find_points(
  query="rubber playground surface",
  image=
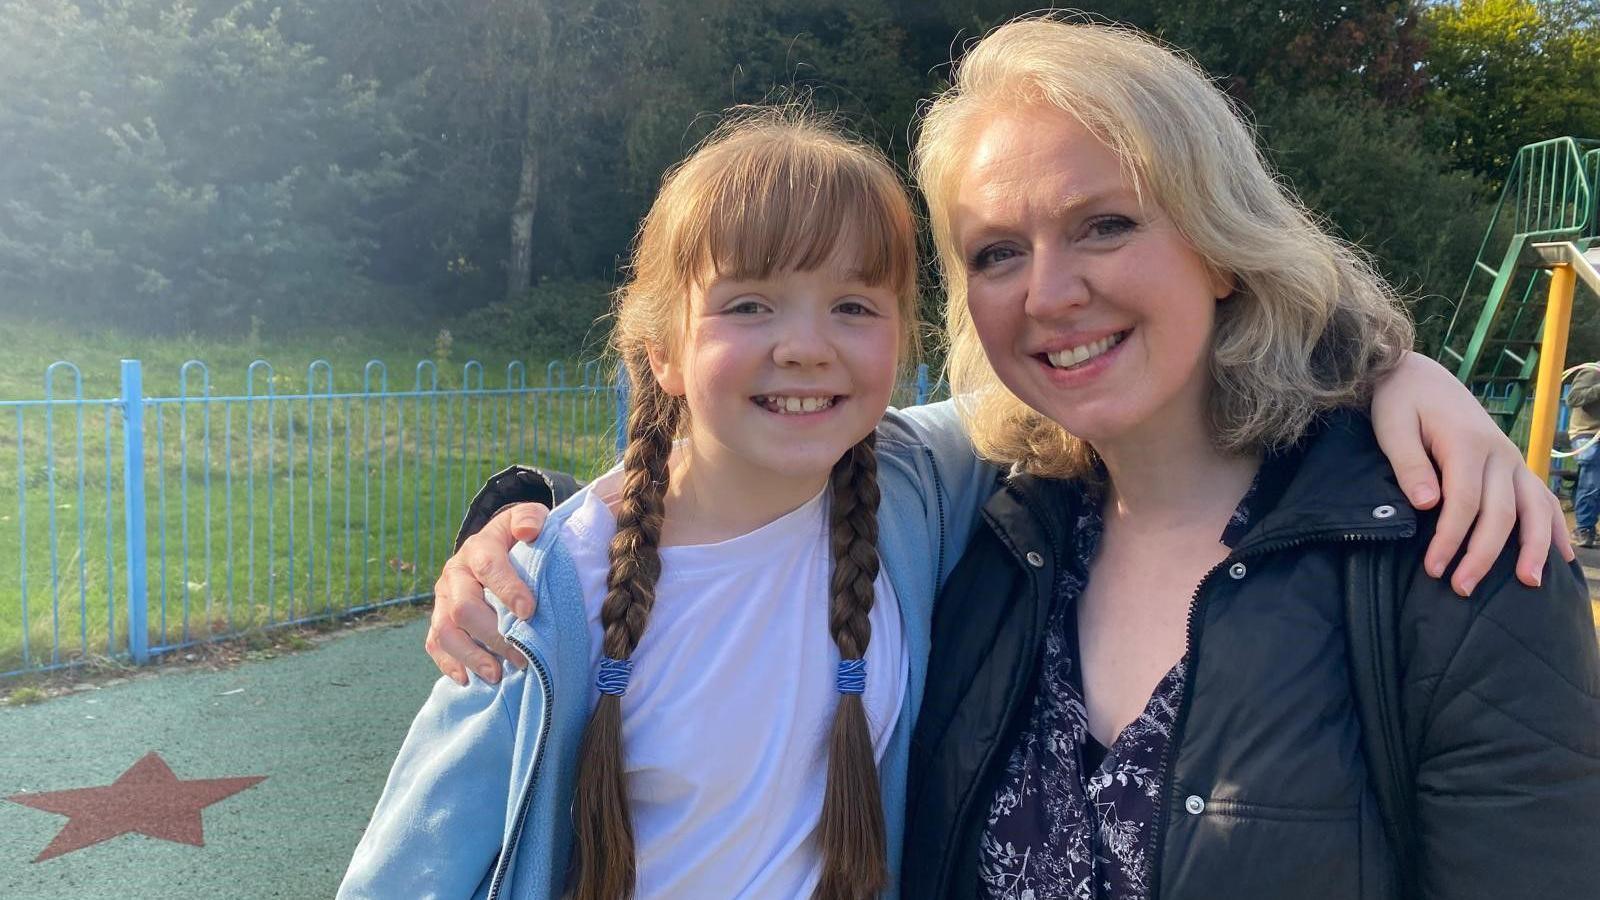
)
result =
(254, 781)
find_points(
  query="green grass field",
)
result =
(258, 511)
(323, 498)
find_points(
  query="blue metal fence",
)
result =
(235, 512)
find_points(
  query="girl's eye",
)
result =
(1110, 226)
(744, 308)
(855, 308)
(991, 255)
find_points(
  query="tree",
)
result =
(1365, 47)
(1367, 170)
(518, 112)
(1511, 72)
(167, 170)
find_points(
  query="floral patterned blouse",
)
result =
(1071, 818)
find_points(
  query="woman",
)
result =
(1123, 269)
(1155, 332)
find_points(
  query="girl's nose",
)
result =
(803, 342)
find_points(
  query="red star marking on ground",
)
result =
(147, 799)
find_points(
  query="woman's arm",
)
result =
(467, 633)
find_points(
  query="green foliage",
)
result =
(1511, 72)
(247, 168)
(169, 170)
(559, 318)
(27, 695)
(1368, 47)
(1367, 170)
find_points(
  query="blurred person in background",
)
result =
(1584, 402)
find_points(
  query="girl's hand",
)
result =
(465, 631)
(1424, 418)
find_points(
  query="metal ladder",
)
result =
(1546, 217)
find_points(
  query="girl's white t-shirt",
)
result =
(728, 711)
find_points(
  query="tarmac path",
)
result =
(274, 764)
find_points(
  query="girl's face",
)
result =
(783, 375)
(1091, 307)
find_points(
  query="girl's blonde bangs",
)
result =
(771, 205)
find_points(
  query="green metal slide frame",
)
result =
(1550, 195)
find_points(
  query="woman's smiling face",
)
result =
(1092, 307)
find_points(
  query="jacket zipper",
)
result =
(1191, 642)
(508, 849)
(938, 499)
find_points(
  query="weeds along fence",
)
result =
(142, 524)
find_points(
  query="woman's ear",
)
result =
(1223, 284)
(668, 373)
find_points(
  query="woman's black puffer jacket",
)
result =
(1267, 787)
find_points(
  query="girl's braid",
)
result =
(854, 844)
(635, 556)
(601, 821)
(854, 536)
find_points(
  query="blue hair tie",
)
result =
(613, 676)
(852, 676)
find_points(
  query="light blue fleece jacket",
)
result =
(478, 801)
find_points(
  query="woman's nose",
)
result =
(1056, 285)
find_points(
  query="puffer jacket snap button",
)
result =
(1237, 571)
(1383, 512)
(1194, 805)
(1035, 560)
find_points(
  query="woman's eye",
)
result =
(1110, 226)
(990, 256)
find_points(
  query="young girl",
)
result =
(721, 592)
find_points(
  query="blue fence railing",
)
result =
(143, 524)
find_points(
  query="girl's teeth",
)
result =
(796, 405)
(1066, 359)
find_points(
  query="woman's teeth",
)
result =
(1075, 356)
(795, 405)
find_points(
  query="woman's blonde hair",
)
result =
(772, 190)
(1310, 325)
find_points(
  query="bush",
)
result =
(1369, 172)
(168, 171)
(559, 319)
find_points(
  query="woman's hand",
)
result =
(1424, 418)
(465, 630)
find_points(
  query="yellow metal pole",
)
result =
(1552, 362)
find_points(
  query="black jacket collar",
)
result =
(1343, 487)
